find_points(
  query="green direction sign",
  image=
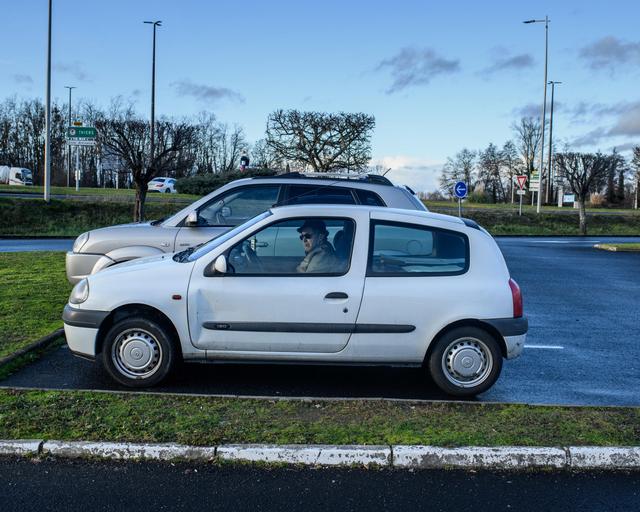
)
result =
(81, 132)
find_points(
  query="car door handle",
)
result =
(336, 295)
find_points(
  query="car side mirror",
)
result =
(219, 266)
(192, 220)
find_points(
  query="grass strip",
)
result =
(33, 292)
(85, 415)
(629, 247)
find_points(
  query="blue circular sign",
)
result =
(460, 189)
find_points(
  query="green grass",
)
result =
(112, 193)
(82, 415)
(439, 205)
(33, 292)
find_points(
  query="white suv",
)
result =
(339, 284)
(223, 209)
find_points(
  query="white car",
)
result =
(167, 185)
(322, 284)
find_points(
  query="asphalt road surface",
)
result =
(58, 484)
(583, 346)
(40, 244)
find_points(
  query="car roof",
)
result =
(333, 210)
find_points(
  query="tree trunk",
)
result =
(583, 215)
(141, 195)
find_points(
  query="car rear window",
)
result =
(397, 249)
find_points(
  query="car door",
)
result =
(415, 283)
(227, 210)
(265, 305)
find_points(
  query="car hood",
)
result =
(105, 240)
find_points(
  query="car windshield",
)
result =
(157, 180)
(212, 244)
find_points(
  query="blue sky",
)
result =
(438, 76)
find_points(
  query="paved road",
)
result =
(41, 244)
(583, 347)
(50, 484)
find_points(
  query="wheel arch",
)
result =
(143, 310)
(468, 322)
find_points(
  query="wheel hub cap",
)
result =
(136, 353)
(467, 362)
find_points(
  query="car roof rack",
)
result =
(367, 178)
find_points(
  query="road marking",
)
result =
(547, 347)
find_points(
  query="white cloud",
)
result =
(420, 174)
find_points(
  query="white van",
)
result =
(15, 176)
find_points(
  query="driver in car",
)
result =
(319, 254)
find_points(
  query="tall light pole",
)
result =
(47, 139)
(546, 21)
(153, 90)
(69, 125)
(553, 88)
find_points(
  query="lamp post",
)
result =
(553, 88)
(69, 125)
(544, 101)
(153, 89)
(47, 141)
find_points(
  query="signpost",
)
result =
(521, 180)
(460, 190)
(80, 136)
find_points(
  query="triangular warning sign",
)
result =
(522, 179)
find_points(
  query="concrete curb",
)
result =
(36, 345)
(512, 458)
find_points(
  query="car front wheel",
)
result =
(138, 352)
(465, 361)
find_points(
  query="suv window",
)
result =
(314, 245)
(369, 198)
(310, 194)
(406, 249)
(238, 205)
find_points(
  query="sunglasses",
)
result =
(306, 236)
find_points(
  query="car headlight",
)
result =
(80, 292)
(80, 241)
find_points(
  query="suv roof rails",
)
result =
(367, 178)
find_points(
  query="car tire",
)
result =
(465, 361)
(138, 352)
(167, 191)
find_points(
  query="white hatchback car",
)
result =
(319, 284)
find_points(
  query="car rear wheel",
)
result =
(465, 361)
(138, 352)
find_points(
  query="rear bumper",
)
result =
(514, 333)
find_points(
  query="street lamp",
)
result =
(69, 147)
(153, 89)
(560, 191)
(47, 138)
(546, 21)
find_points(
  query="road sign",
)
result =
(534, 183)
(521, 180)
(460, 189)
(81, 132)
(81, 142)
(520, 192)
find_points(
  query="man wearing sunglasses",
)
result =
(319, 257)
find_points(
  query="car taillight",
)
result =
(517, 298)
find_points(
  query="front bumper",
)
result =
(81, 330)
(80, 265)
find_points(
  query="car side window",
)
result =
(300, 247)
(323, 194)
(238, 205)
(369, 198)
(397, 249)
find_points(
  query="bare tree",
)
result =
(263, 156)
(459, 168)
(528, 135)
(127, 136)
(582, 171)
(489, 166)
(322, 141)
(511, 164)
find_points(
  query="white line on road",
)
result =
(548, 347)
